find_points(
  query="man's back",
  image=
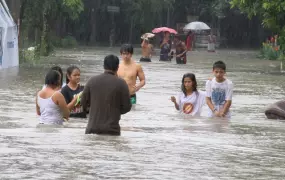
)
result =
(108, 97)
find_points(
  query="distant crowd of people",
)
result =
(181, 47)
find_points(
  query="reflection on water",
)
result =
(156, 141)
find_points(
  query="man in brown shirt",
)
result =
(107, 96)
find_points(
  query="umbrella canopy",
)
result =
(147, 35)
(164, 29)
(196, 25)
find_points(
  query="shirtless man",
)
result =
(146, 51)
(129, 70)
(181, 51)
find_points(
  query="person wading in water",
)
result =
(146, 51)
(165, 47)
(181, 51)
(107, 97)
(129, 70)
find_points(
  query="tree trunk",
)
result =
(15, 7)
(94, 6)
(44, 45)
(131, 32)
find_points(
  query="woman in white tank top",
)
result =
(50, 103)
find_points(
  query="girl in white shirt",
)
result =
(190, 100)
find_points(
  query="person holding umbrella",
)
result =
(165, 44)
(165, 47)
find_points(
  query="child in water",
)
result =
(190, 100)
(219, 92)
(57, 68)
(73, 89)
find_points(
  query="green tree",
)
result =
(144, 14)
(271, 12)
(39, 17)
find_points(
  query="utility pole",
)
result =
(168, 17)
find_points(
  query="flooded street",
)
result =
(157, 142)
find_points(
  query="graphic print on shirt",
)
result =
(77, 108)
(188, 108)
(218, 96)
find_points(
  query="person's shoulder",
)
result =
(229, 82)
(65, 88)
(209, 81)
(57, 94)
(120, 82)
(94, 79)
(203, 93)
(180, 94)
(38, 92)
(138, 65)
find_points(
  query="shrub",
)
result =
(68, 42)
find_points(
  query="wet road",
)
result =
(157, 142)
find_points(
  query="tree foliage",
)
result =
(271, 12)
(39, 16)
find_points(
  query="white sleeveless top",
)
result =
(50, 112)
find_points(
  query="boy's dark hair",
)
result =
(128, 48)
(219, 64)
(52, 78)
(57, 68)
(111, 62)
(69, 71)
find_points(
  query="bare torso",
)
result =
(146, 51)
(129, 72)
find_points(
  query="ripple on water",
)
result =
(157, 142)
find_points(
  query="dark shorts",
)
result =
(133, 99)
(181, 60)
(165, 57)
(145, 59)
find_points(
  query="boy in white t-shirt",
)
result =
(219, 92)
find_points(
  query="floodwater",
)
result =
(157, 142)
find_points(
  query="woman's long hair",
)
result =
(57, 68)
(69, 71)
(194, 82)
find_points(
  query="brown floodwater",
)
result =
(157, 142)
